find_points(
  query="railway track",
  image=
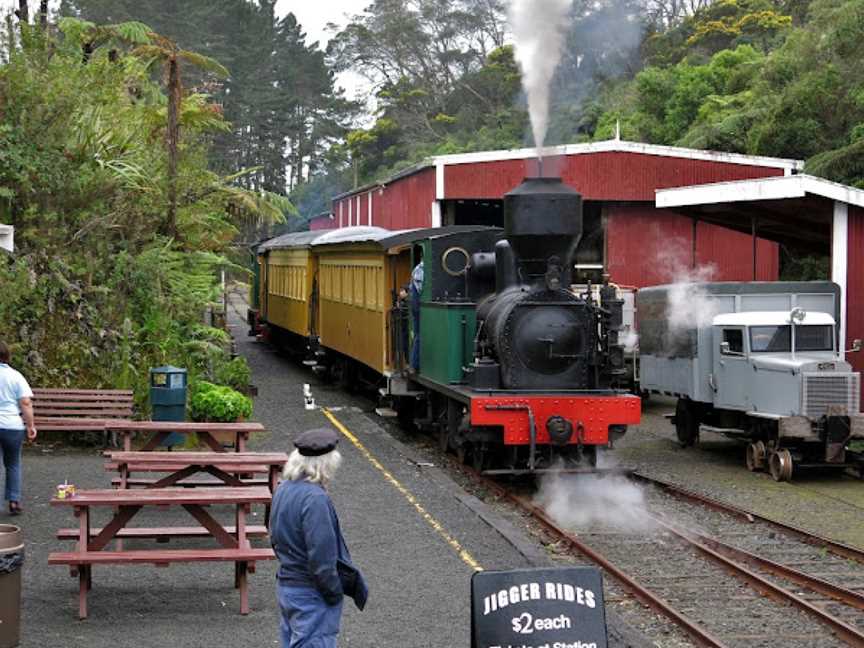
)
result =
(724, 576)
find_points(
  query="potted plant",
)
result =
(219, 404)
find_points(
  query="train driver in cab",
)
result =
(416, 287)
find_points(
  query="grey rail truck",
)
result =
(758, 362)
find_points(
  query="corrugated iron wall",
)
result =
(321, 223)
(646, 247)
(597, 176)
(855, 286)
(405, 203)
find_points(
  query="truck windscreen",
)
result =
(778, 339)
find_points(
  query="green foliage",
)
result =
(95, 293)
(218, 403)
(235, 373)
(769, 88)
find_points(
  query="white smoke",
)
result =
(580, 502)
(629, 339)
(538, 32)
(689, 304)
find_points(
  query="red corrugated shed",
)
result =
(855, 286)
(598, 176)
(406, 202)
(323, 222)
(646, 247)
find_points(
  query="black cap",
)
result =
(317, 442)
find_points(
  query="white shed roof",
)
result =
(774, 188)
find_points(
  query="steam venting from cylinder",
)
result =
(543, 226)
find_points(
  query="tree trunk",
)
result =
(43, 13)
(23, 12)
(175, 96)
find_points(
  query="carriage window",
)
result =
(735, 338)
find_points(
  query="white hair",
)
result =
(318, 470)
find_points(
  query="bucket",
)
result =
(11, 561)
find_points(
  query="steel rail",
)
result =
(646, 596)
(835, 547)
(848, 633)
(699, 634)
(831, 590)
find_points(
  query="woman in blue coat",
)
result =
(315, 569)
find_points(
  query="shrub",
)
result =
(235, 374)
(218, 403)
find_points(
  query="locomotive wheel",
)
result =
(686, 423)
(479, 457)
(780, 465)
(756, 456)
(443, 438)
(463, 452)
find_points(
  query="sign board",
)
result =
(538, 608)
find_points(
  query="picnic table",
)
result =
(160, 430)
(233, 541)
(230, 468)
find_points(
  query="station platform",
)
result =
(416, 534)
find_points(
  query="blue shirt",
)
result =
(305, 534)
(417, 277)
(13, 387)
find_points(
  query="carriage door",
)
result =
(731, 376)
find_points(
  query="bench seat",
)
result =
(159, 556)
(163, 532)
(141, 482)
(154, 466)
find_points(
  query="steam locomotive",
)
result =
(516, 368)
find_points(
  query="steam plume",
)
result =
(538, 31)
(579, 502)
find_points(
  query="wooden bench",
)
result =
(233, 468)
(83, 403)
(158, 431)
(233, 540)
(80, 410)
(164, 534)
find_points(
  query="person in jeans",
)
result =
(315, 569)
(16, 418)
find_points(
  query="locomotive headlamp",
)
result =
(797, 315)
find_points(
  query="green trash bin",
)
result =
(11, 561)
(168, 398)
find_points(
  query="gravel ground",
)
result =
(825, 503)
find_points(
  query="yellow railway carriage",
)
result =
(361, 270)
(288, 273)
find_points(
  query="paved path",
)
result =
(414, 540)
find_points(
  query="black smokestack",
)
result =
(543, 223)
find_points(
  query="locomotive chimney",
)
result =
(543, 224)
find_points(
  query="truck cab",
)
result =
(780, 363)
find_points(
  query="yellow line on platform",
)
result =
(463, 553)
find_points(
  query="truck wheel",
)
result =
(780, 465)
(686, 423)
(756, 456)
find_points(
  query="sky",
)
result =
(313, 15)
